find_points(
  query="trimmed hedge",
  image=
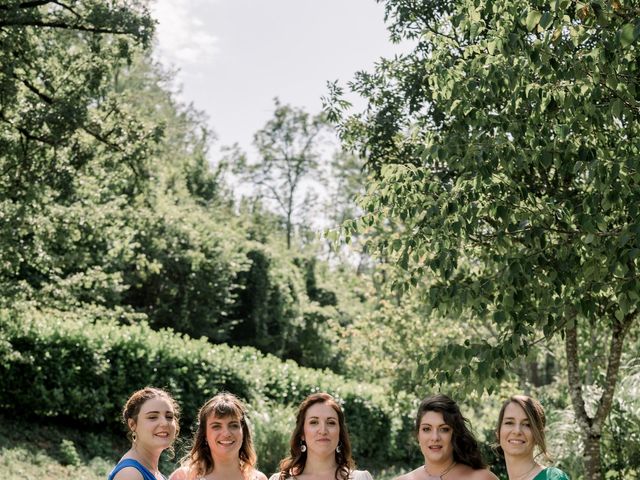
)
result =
(59, 364)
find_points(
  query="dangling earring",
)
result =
(303, 446)
(134, 436)
(338, 450)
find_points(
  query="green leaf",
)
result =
(532, 19)
(546, 20)
(628, 34)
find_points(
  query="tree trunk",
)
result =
(592, 426)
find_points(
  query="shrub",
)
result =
(85, 371)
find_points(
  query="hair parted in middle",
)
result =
(294, 464)
(465, 446)
(222, 405)
(537, 420)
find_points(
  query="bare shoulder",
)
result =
(482, 474)
(181, 473)
(362, 475)
(412, 475)
(257, 475)
(128, 473)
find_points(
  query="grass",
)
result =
(43, 450)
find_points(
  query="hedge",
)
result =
(59, 364)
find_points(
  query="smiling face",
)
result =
(321, 429)
(155, 426)
(516, 436)
(435, 439)
(224, 436)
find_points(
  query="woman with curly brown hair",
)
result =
(449, 448)
(222, 445)
(320, 448)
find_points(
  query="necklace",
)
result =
(442, 474)
(526, 474)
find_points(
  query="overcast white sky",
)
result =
(234, 56)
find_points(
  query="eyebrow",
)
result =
(157, 412)
(429, 425)
(328, 418)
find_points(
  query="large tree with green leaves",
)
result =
(507, 145)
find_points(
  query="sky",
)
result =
(234, 56)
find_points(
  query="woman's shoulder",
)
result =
(258, 475)
(467, 472)
(552, 473)
(181, 473)
(128, 469)
(413, 474)
(275, 476)
(361, 475)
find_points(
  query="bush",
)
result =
(86, 371)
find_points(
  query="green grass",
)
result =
(40, 450)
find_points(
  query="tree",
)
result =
(507, 144)
(288, 147)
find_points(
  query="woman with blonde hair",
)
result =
(520, 432)
(222, 445)
(319, 447)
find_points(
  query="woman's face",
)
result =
(435, 438)
(224, 436)
(155, 427)
(516, 437)
(321, 429)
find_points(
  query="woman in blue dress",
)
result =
(520, 433)
(151, 416)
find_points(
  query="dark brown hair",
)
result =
(294, 464)
(222, 405)
(537, 420)
(465, 446)
(138, 398)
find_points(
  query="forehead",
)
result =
(156, 404)
(513, 410)
(213, 417)
(432, 418)
(321, 410)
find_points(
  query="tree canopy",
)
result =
(506, 146)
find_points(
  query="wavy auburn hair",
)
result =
(465, 446)
(223, 405)
(294, 464)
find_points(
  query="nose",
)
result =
(435, 434)
(323, 427)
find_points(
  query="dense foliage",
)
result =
(504, 150)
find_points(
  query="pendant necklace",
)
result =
(441, 475)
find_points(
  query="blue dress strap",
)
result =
(130, 462)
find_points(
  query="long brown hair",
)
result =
(223, 405)
(537, 420)
(294, 464)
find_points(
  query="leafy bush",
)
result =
(86, 371)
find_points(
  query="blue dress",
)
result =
(130, 462)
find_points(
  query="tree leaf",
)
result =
(532, 19)
(628, 34)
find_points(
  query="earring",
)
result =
(303, 446)
(134, 436)
(338, 450)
